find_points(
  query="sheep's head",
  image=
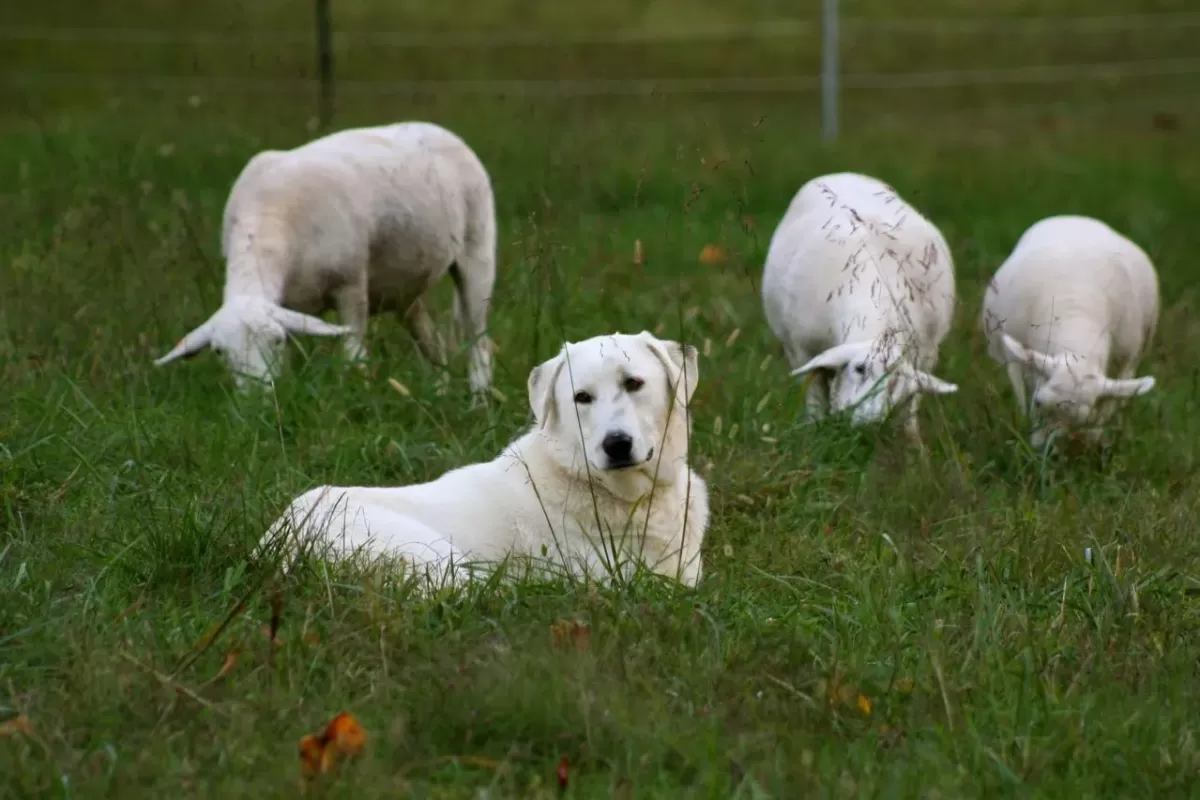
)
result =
(872, 378)
(250, 332)
(1069, 393)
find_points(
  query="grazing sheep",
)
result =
(859, 287)
(600, 484)
(1072, 302)
(365, 220)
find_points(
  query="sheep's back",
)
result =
(839, 275)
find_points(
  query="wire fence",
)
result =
(617, 87)
(785, 28)
(829, 80)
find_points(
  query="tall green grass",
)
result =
(869, 624)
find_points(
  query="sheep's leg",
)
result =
(421, 326)
(912, 427)
(816, 399)
(1016, 377)
(353, 311)
(474, 278)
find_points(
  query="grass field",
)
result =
(867, 625)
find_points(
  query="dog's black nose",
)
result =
(618, 446)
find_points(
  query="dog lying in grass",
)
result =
(598, 486)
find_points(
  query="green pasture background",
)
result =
(868, 624)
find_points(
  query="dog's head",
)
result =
(620, 403)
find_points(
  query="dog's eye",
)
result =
(633, 384)
(860, 370)
(583, 398)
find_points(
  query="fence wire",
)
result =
(772, 29)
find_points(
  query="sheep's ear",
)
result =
(834, 358)
(1014, 351)
(542, 380)
(295, 322)
(931, 384)
(1017, 353)
(680, 361)
(1131, 387)
(189, 345)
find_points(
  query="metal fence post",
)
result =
(325, 63)
(829, 70)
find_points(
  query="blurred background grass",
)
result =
(955, 597)
(979, 57)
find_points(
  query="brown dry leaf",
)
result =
(569, 633)
(343, 737)
(890, 736)
(18, 724)
(399, 387)
(638, 259)
(227, 666)
(266, 632)
(276, 614)
(712, 254)
(136, 605)
(1165, 121)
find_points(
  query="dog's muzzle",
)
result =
(618, 449)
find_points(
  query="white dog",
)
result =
(599, 484)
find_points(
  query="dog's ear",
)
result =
(680, 361)
(542, 380)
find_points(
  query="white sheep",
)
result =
(365, 220)
(1072, 302)
(859, 288)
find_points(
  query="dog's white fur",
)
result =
(1074, 300)
(553, 492)
(859, 287)
(364, 220)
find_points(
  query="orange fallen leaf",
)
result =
(343, 737)
(313, 759)
(347, 734)
(18, 724)
(864, 704)
(227, 666)
(568, 632)
(711, 254)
